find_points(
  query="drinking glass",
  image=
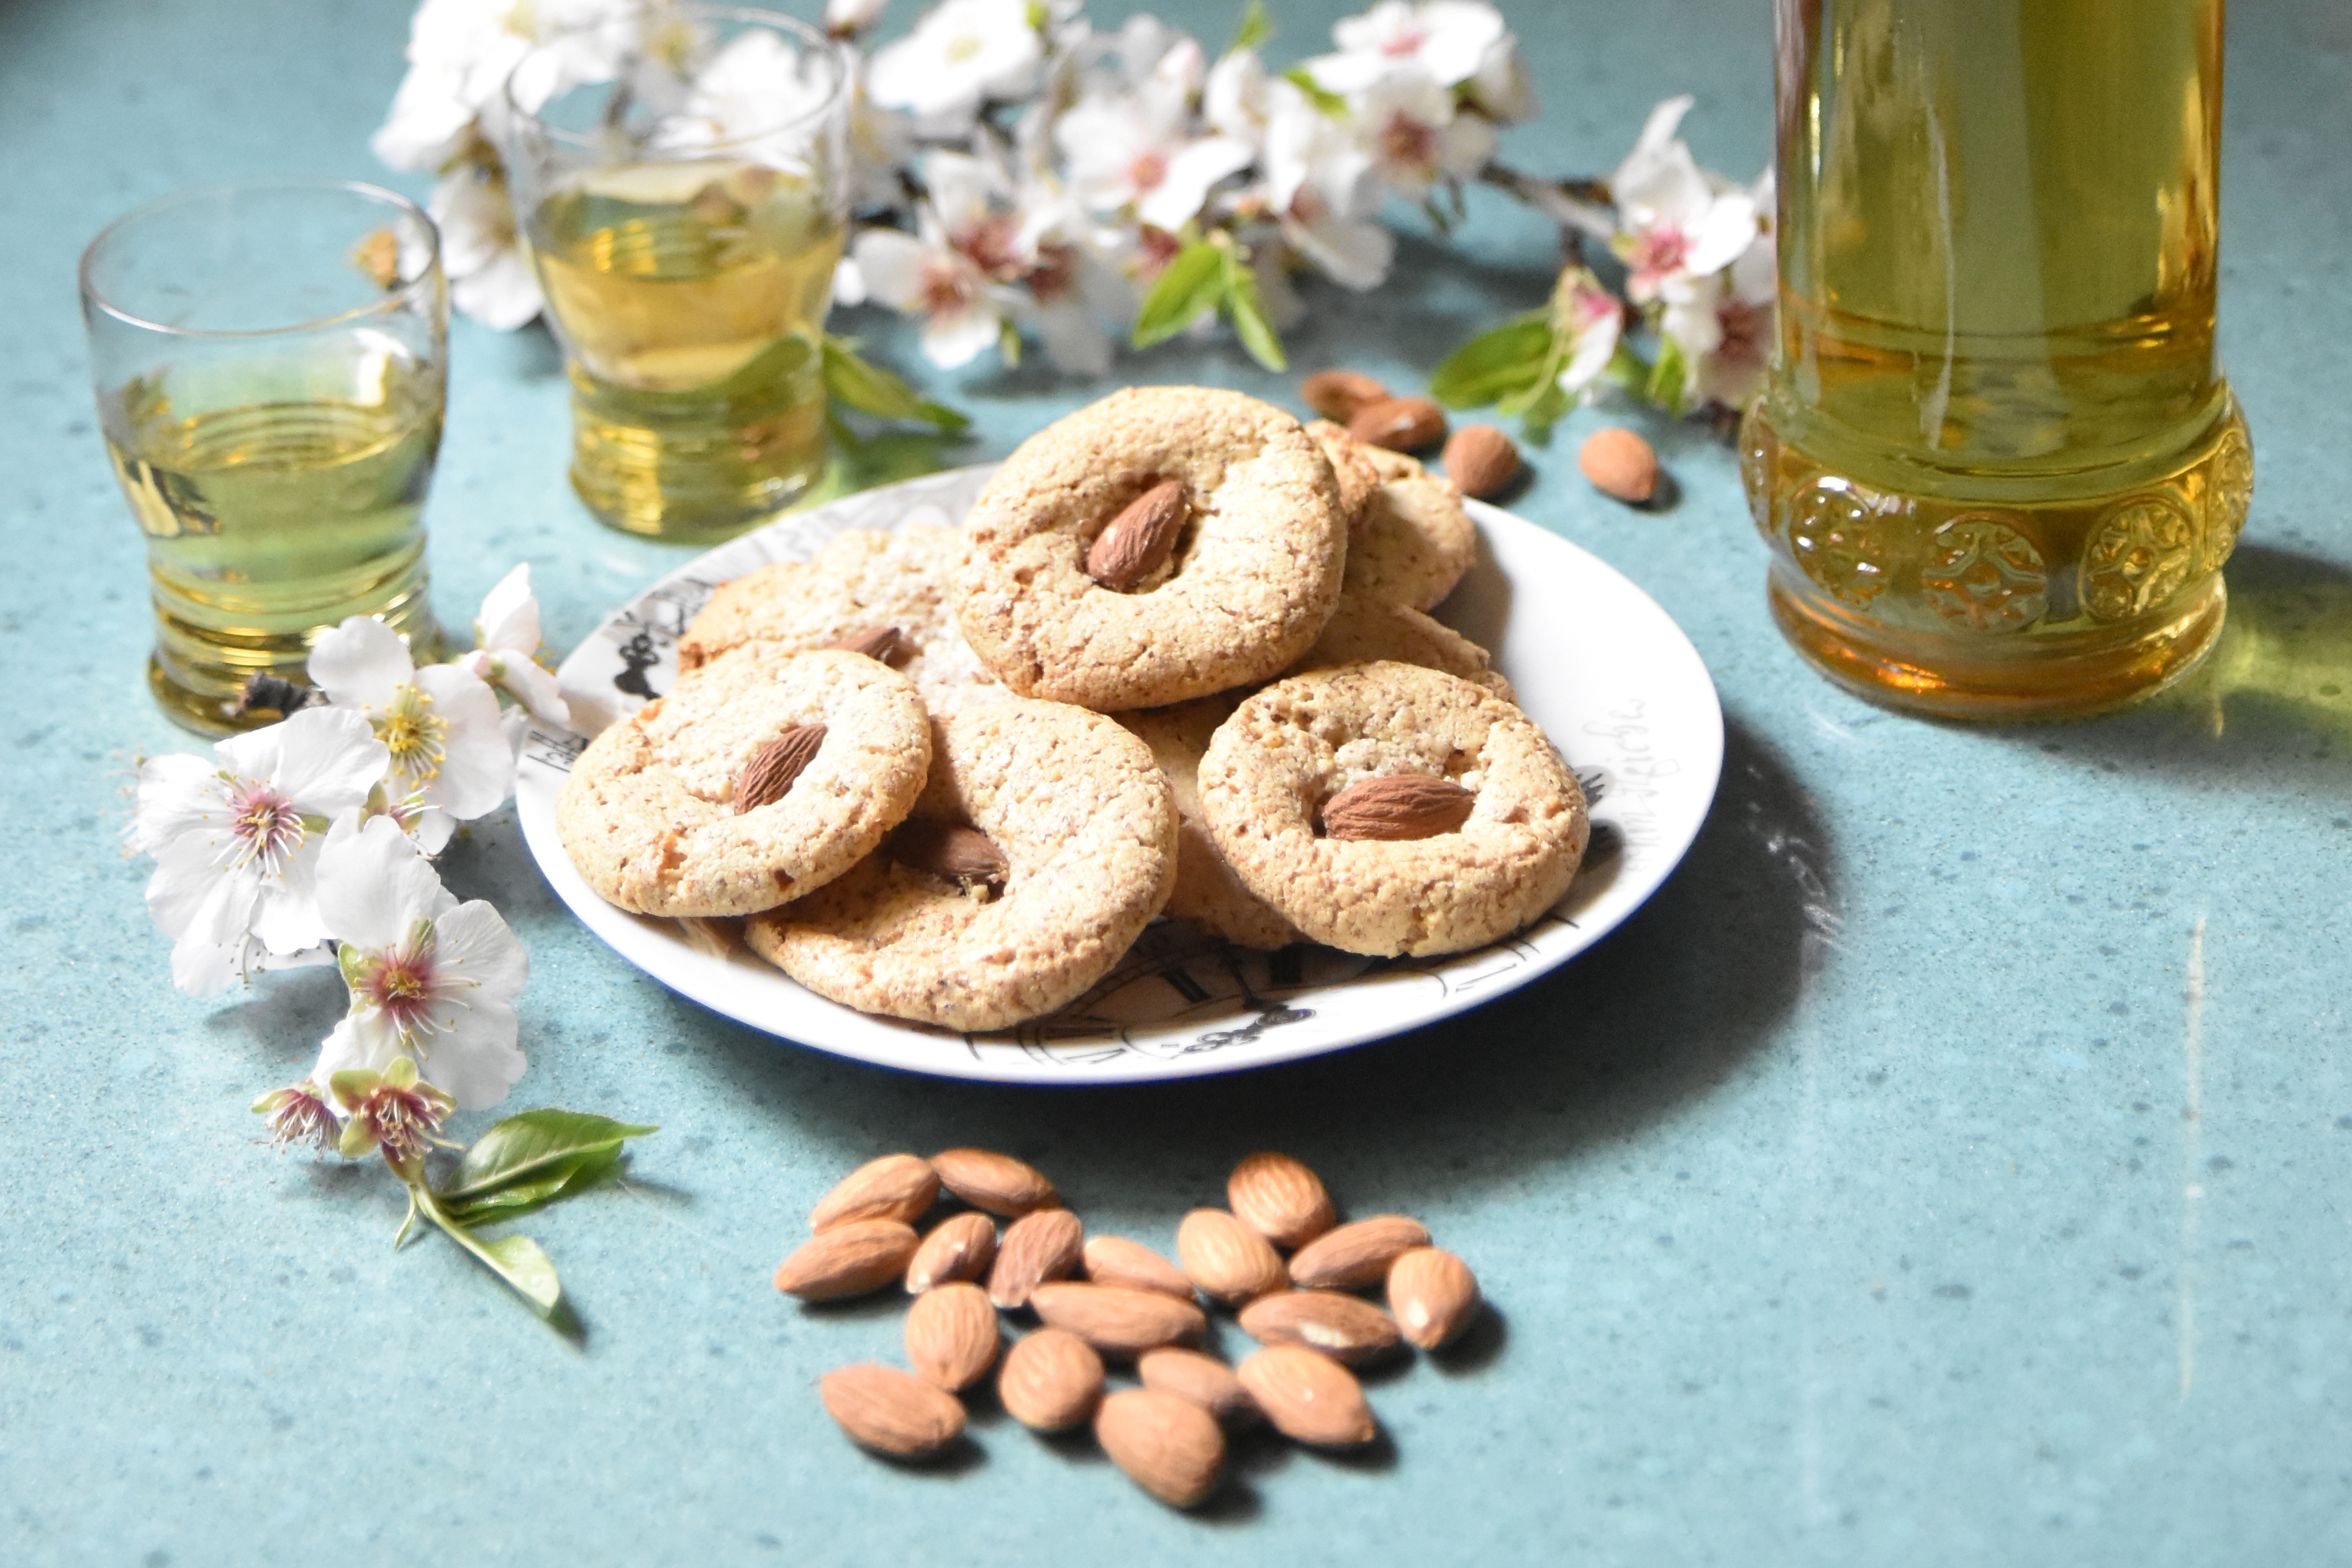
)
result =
(1995, 461)
(685, 202)
(272, 364)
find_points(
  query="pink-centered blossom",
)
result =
(431, 979)
(236, 841)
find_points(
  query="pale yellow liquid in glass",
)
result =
(692, 296)
(1996, 462)
(268, 522)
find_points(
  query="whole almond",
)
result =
(1116, 1260)
(1340, 394)
(1138, 540)
(1201, 1378)
(776, 766)
(1051, 1380)
(1399, 423)
(1397, 806)
(848, 1260)
(952, 852)
(1308, 1396)
(1345, 1328)
(1280, 1198)
(1356, 1255)
(1037, 1247)
(890, 1411)
(886, 644)
(951, 1335)
(1117, 1321)
(997, 1183)
(1433, 1295)
(1620, 464)
(896, 1186)
(1227, 1259)
(1481, 460)
(1169, 1447)
(960, 1247)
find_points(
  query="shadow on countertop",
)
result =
(2270, 708)
(1655, 1016)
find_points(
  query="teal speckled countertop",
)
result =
(1948, 1166)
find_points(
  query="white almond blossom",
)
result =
(962, 53)
(1131, 151)
(490, 276)
(440, 723)
(431, 979)
(1674, 219)
(848, 18)
(1449, 40)
(1722, 324)
(750, 93)
(1594, 321)
(236, 841)
(506, 648)
(1412, 127)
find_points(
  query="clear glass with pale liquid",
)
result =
(1995, 463)
(693, 298)
(685, 241)
(269, 362)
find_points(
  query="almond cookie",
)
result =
(1416, 542)
(1207, 892)
(1352, 465)
(1215, 515)
(718, 799)
(883, 594)
(1470, 825)
(1042, 845)
(1363, 630)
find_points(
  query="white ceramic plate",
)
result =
(1613, 682)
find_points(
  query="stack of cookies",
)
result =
(1178, 661)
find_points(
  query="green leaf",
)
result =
(1248, 312)
(518, 1260)
(883, 459)
(1496, 363)
(1191, 284)
(530, 1145)
(1545, 410)
(1332, 105)
(1255, 30)
(858, 383)
(1669, 378)
(521, 1197)
(1008, 342)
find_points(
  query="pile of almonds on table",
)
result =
(1480, 459)
(1106, 1297)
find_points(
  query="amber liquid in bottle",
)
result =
(1997, 468)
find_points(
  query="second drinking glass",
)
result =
(685, 216)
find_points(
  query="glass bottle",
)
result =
(1994, 461)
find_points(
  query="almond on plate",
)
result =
(1398, 806)
(1140, 539)
(776, 766)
